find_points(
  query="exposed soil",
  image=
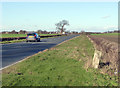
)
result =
(108, 45)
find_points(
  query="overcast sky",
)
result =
(88, 16)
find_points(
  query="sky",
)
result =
(32, 16)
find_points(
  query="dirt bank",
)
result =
(109, 60)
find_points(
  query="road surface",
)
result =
(15, 52)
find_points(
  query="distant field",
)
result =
(21, 35)
(113, 37)
(107, 34)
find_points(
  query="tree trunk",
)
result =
(62, 29)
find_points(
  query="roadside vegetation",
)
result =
(21, 35)
(13, 41)
(16, 41)
(68, 64)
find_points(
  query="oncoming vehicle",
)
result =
(33, 37)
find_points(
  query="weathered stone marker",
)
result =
(96, 58)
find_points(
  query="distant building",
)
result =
(5, 32)
(63, 32)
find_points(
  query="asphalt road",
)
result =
(12, 53)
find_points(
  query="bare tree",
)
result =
(61, 25)
(22, 32)
(39, 31)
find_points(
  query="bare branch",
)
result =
(61, 25)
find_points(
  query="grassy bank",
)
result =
(15, 41)
(63, 65)
(107, 34)
(21, 35)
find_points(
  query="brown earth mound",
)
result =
(109, 61)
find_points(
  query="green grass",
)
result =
(21, 35)
(21, 40)
(62, 65)
(15, 41)
(107, 34)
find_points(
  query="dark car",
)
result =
(33, 37)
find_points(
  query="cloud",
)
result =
(99, 28)
(111, 28)
(105, 17)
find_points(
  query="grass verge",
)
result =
(21, 35)
(21, 40)
(13, 41)
(63, 65)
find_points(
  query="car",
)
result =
(33, 37)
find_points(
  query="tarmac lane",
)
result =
(15, 52)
